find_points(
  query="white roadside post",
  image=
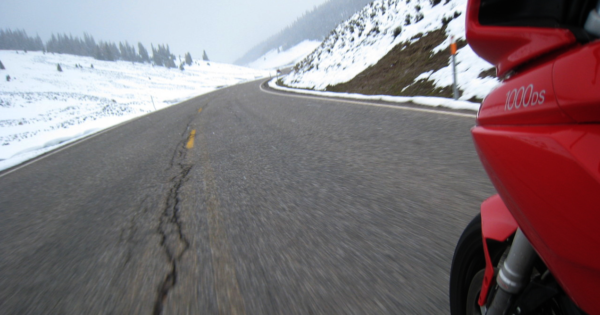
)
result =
(453, 58)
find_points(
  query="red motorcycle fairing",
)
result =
(538, 136)
(509, 47)
(496, 224)
(549, 179)
(576, 77)
(560, 90)
(526, 99)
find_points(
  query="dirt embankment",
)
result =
(395, 73)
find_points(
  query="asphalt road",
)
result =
(244, 202)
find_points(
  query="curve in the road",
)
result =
(277, 204)
(265, 89)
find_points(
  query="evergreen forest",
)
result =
(88, 46)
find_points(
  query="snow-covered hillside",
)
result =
(370, 34)
(42, 108)
(277, 59)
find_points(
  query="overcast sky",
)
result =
(226, 29)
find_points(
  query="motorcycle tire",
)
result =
(468, 268)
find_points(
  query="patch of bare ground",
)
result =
(395, 73)
(491, 72)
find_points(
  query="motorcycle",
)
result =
(535, 246)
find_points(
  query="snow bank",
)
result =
(419, 100)
(42, 108)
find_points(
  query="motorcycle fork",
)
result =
(513, 275)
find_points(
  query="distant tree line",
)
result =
(73, 45)
(18, 40)
(162, 56)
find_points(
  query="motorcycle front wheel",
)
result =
(468, 268)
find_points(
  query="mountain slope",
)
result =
(313, 25)
(280, 58)
(396, 47)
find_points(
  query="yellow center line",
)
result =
(190, 142)
(200, 110)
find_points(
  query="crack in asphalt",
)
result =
(173, 240)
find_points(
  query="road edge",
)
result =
(264, 87)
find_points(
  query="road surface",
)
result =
(244, 202)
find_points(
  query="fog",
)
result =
(226, 29)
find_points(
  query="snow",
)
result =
(276, 59)
(368, 36)
(468, 68)
(419, 100)
(42, 109)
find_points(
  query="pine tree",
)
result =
(162, 56)
(89, 45)
(2, 66)
(143, 53)
(128, 52)
(170, 63)
(170, 58)
(114, 51)
(107, 52)
(124, 51)
(181, 66)
(98, 53)
(58, 67)
(205, 56)
(188, 59)
(51, 44)
(156, 60)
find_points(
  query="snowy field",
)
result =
(42, 108)
(278, 59)
(369, 35)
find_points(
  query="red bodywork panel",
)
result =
(545, 164)
(496, 224)
(549, 179)
(524, 99)
(509, 47)
(577, 83)
(564, 90)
